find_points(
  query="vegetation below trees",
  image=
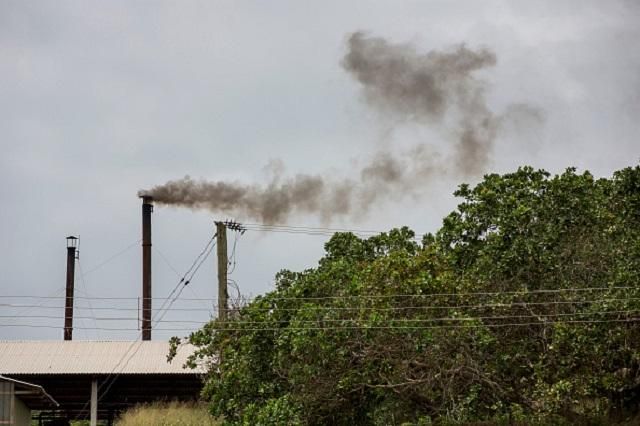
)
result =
(523, 308)
(167, 414)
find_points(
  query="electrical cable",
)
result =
(313, 230)
(423, 295)
(440, 319)
(377, 296)
(101, 264)
(356, 308)
(206, 251)
(84, 286)
(387, 320)
(29, 308)
(166, 261)
(366, 327)
(232, 258)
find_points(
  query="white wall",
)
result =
(22, 414)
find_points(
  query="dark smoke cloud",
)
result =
(426, 87)
(436, 88)
(302, 193)
(271, 203)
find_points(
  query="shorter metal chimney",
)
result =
(72, 245)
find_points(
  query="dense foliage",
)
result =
(522, 307)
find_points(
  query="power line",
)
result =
(201, 303)
(10, 305)
(193, 269)
(354, 308)
(184, 281)
(433, 307)
(232, 258)
(109, 259)
(30, 308)
(428, 327)
(79, 328)
(431, 327)
(76, 297)
(423, 295)
(370, 296)
(72, 316)
(362, 327)
(166, 261)
(84, 286)
(440, 319)
(387, 320)
(309, 230)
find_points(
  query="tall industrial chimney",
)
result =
(147, 208)
(72, 243)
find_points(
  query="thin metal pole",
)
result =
(147, 208)
(94, 402)
(68, 309)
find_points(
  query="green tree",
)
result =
(523, 305)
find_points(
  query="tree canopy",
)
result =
(523, 305)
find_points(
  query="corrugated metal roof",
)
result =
(91, 357)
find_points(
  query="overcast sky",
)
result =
(101, 99)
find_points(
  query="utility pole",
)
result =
(72, 243)
(223, 295)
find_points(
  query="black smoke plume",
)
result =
(436, 88)
(425, 88)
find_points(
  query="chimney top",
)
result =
(146, 199)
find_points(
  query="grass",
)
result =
(167, 414)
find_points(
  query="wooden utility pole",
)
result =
(221, 231)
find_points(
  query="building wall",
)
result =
(22, 413)
(6, 399)
(12, 410)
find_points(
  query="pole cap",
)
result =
(72, 242)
